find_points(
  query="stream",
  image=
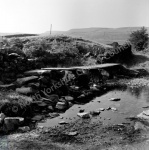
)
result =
(132, 101)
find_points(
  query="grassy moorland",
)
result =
(101, 35)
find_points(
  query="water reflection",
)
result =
(131, 104)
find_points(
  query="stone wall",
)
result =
(13, 65)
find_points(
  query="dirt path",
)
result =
(88, 136)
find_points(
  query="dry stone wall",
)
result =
(13, 65)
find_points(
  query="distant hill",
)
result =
(101, 35)
(10, 35)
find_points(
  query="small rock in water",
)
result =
(94, 113)
(145, 107)
(84, 115)
(53, 115)
(101, 109)
(63, 122)
(37, 118)
(61, 106)
(108, 108)
(143, 116)
(146, 112)
(113, 108)
(81, 110)
(114, 99)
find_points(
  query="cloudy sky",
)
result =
(36, 16)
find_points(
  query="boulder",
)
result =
(61, 106)
(25, 90)
(11, 123)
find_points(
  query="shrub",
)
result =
(139, 39)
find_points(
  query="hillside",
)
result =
(101, 35)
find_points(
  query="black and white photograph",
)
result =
(74, 75)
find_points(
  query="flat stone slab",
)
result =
(37, 72)
(22, 81)
(101, 66)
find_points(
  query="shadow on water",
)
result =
(132, 101)
(135, 60)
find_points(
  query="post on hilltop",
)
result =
(50, 29)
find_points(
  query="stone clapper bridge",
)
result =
(93, 71)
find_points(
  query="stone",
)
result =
(11, 123)
(114, 99)
(53, 115)
(108, 108)
(95, 113)
(70, 104)
(2, 117)
(140, 126)
(24, 90)
(72, 133)
(24, 129)
(37, 118)
(81, 110)
(42, 104)
(61, 106)
(101, 109)
(51, 98)
(84, 115)
(63, 122)
(143, 116)
(69, 98)
(25, 80)
(113, 108)
(50, 108)
(145, 107)
(146, 112)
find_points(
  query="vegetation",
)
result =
(139, 39)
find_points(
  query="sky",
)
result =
(36, 16)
